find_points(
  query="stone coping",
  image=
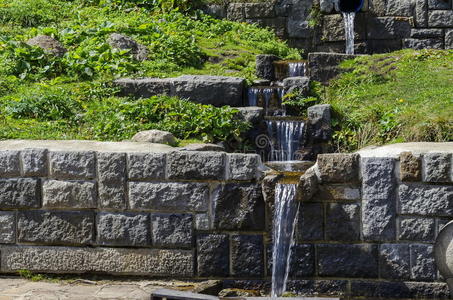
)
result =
(394, 150)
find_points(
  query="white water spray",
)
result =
(286, 137)
(348, 18)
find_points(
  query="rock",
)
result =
(343, 222)
(337, 192)
(243, 166)
(69, 194)
(55, 227)
(251, 114)
(389, 28)
(172, 230)
(394, 261)
(123, 42)
(422, 263)
(403, 8)
(410, 167)
(449, 39)
(261, 82)
(300, 84)
(437, 167)
(112, 180)
(196, 165)
(440, 18)
(398, 289)
(435, 4)
(146, 166)
(9, 163)
(310, 224)
(417, 229)
(34, 162)
(155, 136)
(338, 167)
(203, 147)
(247, 257)
(324, 66)
(209, 287)
(48, 44)
(421, 13)
(319, 121)
(423, 33)
(7, 227)
(259, 10)
(144, 87)
(213, 255)
(123, 229)
(231, 292)
(265, 66)
(73, 165)
(443, 253)
(19, 193)
(413, 200)
(302, 263)
(307, 186)
(236, 12)
(420, 44)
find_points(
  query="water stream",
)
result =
(297, 69)
(286, 138)
(269, 98)
(285, 219)
(348, 18)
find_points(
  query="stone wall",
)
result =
(381, 26)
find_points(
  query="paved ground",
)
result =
(12, 288)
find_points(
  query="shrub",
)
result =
(30, 13)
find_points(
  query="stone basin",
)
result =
(292, 166)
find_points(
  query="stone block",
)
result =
(389, 28)
(343, 222)
(423, 267)
(394, 261)
(144, 87)
(334, 192)
(419, 44)
(395, 289)
(7, 227)
(213, 251)
(34, 162)
(310, 222)
(196, 165)
(437, 167)
(378, 7)
(168, 196)
(247, 257)
(384, 46)
(69, 194)
(423, 33)
(307, 186)
(323, 66)
(149, 262)
(19, 193)
(9, 163)
(242, 166)
(215, 10)
(410, 167)
(146, 166)
(236, 12)
(265, 66)
(334, 288)
(111, 179)
(302, 263)
(72, 165)
(338, 167)
(417, 229)
(326, 6)
(379, 199)
(238, 207)
(400, 8)
(440, 18)
(333, 28)
(299, 28)
(319, 119)
(123, 229)
(55, 227)
(112, 195)
(348, 260)
(439, 4)
(259, 10)
(202, 222)
(172, 230)
(426, 200)
(421, 13)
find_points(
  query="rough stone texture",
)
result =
(123, 229)
(212, 255)
(388, 28)
(318, 287)
(394, 261)
(437, 167)
(265, 66)
(326, 6)
(439, 4)
(348, 260)
(319, 118)
(124, 42)
(155, 136)
(343, 222)
(48, 44)
(333, 28)
(72, 165)
(34, 162)
(242, 166)
(69, 194)
(9, 163)
(379, 203)
(449, 39)
(215, 90)
(412, 290)
(236, 12)
(251, 114)
(149, 262)
(172, 230)
(238, 207)
(310, 222)
(112, 179)
(259, 10)
(426, 33)
(19, 193)
(422, 263)
(55, 227)
(440, 18)
(196, 165)
(338, 167)
(168, 196)
(402, 8)
(413, 199)
(417, 229)
(302, 262)
(420, 44)
(247, 258)
(410, 167)
(202, 222)
(203, 147)
(324, 66)
(146, 166)
(7, 227)
(335, 192)
(145, 87)
(300, 84)
(307, 186)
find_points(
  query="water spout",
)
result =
(349, 31)
(286, 138)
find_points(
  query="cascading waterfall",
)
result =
(296, 69)
(349, 31)
(285, 139)
(270, 98)
(285, 219)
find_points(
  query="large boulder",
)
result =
(265, 66)
(144, 87)
(123, 42)
(155, 136)
(48, 44)
(299, 83)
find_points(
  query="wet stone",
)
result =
(19, 193)
(394, 261)
(422, 263)
(7, 227)
(417, 229)
(72, 165)
(9, 163)
(212, 255)
(437, 167)
(34, 162)
(172, 230)
(393, 290)
(247, 257)
(318, 287)
(123, 229)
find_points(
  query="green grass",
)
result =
(404, 96)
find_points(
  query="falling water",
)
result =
(285, 139)
(270, 98)
(285, 219)
(349, 30)
(296, 69)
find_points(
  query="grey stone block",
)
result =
(123, 229)
(310, 222)
(144, 88)
(19, 193)
(9, 163)
(326, 6)
(410, 167)
(202, 222)
(149, 262)
(337, 192)
(423, 33)
(265, 66)
(437, 167)
(449, 39)
(215, 10)
(399, 290)
(302, 262)
(72, 165)
(7, 227)
(243, 166)
(236, 12)
(334, 288)
(238, 207)
(259, 10)
(413, 199)
(388, 28)
(440, 18)
(34, 162)
(213, 255)
(169, 196)
(111, 180)
(421, 13)
(333, 28)
(343, 222)
(423, 267)
(247, 257)
(400, 8)
(417, 229)
(196, 165)
(439, 4)
(299, 84)
(323, 66)
(69, 194)
(55, 227)
(172, 230)
(307, 186)
(379, 199)
(348, 260)
(419, 44)
(394, 261)
(338, 167)
(112, 195)
(146, 166)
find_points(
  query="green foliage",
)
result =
(315, 15)
(30, 13)
(27, 274)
